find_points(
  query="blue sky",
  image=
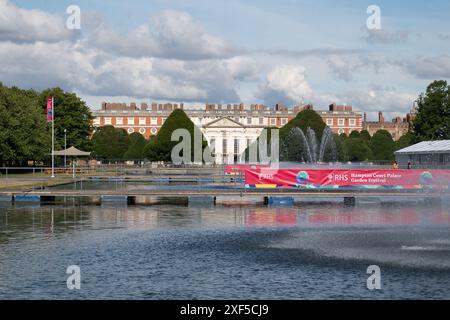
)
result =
(230, 51)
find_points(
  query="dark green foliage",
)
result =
(355, 134)
(264, 138)
(303, 120)
(433, 115)
(382, 146)
(136, 148)
(405, 141)
(364, 134)
(24, 133)
(160, 147)
(110, 143)
(342, 152)
(72, 114)
(357, 149)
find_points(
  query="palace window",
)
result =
(153, 121)
(154, 130)
(273, 121)
(130, 130)
(142, 130)
(261, 121)
(283, 121)
(224, 146)
(352, 122)
(329, 122)
(119, 121)
(249, 120)
(236, 146)
(341, 122)
(142, 121)
(130, 120)
(107, 120)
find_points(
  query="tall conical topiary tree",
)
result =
(303, 120)
(160, 147)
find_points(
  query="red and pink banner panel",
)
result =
(346, 178)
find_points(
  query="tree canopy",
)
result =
(136, 148)
(365, 135)
(110, 143)
(160, 147)
(24, 132)
(433, 113)
(357, 149)
(72, 114)
(303, 120)
(404, 141)
(355, 134)
(382, 146)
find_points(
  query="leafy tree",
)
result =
(110, 143)
(24, 133)
(355, 134)
(433, 113)
(382, 146)
(357, 149)
(136, 149)
(343, 135)
(72, 114)
(365, 135)
(341, 147)
(160, 147)
(404, 141)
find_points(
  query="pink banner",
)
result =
(49, 109)
(341, 178)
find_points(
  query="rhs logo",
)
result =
(302, 177)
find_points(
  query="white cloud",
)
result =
(286, 84)
(344, 67)
(171, 34)
(375, 98)
(22, 25)
(243, 68)
(72, 66)
(430, 68)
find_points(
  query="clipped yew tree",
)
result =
(159, 148)
(303, 120)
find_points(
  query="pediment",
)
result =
(223, 123)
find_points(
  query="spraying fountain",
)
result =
(306, 148)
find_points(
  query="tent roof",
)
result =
(439, 146)
(72, 151)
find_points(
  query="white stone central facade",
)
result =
(229, 138)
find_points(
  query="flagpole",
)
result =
(53, 139)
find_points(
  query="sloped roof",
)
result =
(439, 146)
(224, 122)
(72, 151)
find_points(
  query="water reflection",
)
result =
(48, 220)
(162, 252)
